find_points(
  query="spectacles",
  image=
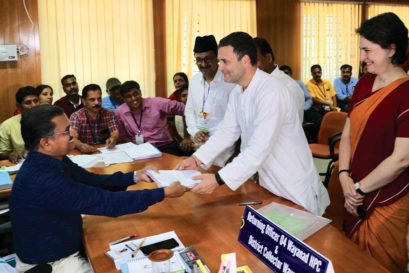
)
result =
(206, 60)
(65, 133)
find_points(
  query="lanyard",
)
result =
(93, 128)
(322, 91)
(138, 125)
(204, 95)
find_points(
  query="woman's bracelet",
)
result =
(344, 171)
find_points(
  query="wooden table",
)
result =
(210, 223)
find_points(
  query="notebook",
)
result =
(136, 152)
(5, 180)
(144, 265)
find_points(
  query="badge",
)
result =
(139, 139)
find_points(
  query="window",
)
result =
(328, 37)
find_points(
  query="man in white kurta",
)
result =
(208, 96)
(261, 112)
(265, 61)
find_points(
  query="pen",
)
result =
(123, 239)
(250, 203)
(133, 254)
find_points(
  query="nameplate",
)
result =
(278, 249)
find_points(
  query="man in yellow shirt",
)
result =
(11, 141)
(322, 92)
(324, 98)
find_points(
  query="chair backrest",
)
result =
(332, 123)
(335, 211)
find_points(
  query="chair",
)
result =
(329, 136)
(335, 210)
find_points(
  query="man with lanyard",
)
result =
(72, 101)
(146, 119)
(261, 112)
(114, 99)
(323, 96)
(344, 86)
(208, 96)
(93, 124)
(265, 62)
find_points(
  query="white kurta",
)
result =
(211, 98)
(273, 144)
(297, 94)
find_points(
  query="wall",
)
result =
(279, 22)
(15, 28)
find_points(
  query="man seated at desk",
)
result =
(50, 193)
(146, 119)
(11, 142)
(93, 124)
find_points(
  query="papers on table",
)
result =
(14, 168)
(5, 180)
(301, 224)
(121, 253)
(136, 152)
(166, 177)
(122, 153)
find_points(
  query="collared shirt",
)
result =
(323, 91)
(151, 122)
(67, 106)
(93, 131)
(210, 98)
(272, 144)
(10, 136)
(49, 196)
(295, 91)
(110, 104)
(344, 90)
(307, 97)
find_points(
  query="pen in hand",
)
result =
(133, 254)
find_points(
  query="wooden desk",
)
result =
(210, 223)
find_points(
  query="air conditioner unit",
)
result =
(8, 53)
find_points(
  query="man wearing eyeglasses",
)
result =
(208, 96)
(11, 142)
(50, 193)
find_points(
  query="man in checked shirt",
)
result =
(93, 124)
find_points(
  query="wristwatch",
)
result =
(358, 188)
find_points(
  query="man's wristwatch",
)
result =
(358, 188)
(219, 180)
(135, 177)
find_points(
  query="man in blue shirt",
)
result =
(344, 86)
(114, 99)
(50, 193)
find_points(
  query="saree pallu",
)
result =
(377, 119)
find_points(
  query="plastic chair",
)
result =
(329, 136)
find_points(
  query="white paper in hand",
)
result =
(166, 177)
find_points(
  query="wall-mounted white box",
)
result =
(8, 53)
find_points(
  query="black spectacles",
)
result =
(65, 133)
(206, 60)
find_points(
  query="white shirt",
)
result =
(273, 143)
(297, 94)
(212, 99)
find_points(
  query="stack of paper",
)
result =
(166, 177)
(121, 253)
(101, 160)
